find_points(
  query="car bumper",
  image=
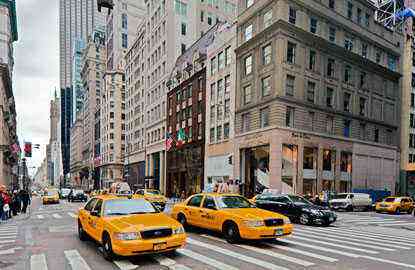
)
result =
(147, 246)
(255, 233)
(321, 220)
(46, 201)
(385, 209)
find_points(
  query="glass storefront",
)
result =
(255, 170)
(289, 166)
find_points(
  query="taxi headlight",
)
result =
(254, 223)
(286, 220)
(179, 230)
(127, 236)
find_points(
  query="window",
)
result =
(359, 16)
(220, 89)
(226, 131)
(411, 140)
(329, 124)
(219, 133)
(392, 62)
(268, 18)
(378, 56)
(308, 160)
(246, 118)
(331, 4)
(248, 65)
(228, 58)
(412, 100)
(376, 135)
(202, 16)
(209, 21)
(348, 43)
(289, 117)
(362, 106)
(227, 108)
(124, 38)
(292, 15)
(221, 61)
(346, 102)
(248, 32)
(346, 128)
(347, 74)
(195, 201)
(247, 94)
(249, 3)
(227, 84)
(266, 54)
(213, 65)
(362, 131)
(313, 25)
(212, 135)
(311, 86)
(289, 85)
(362, 79)
(184, 29)
(349, 10)
(264, 113)
(291, 52)
(124, 21)
(329, 97)
(330, 67)
(312, 60)
(183, 48)
(364, 50)
(411, 120)
(209, 203)
(181, 8)
(332, 34)
(367, 19)
(266, 86)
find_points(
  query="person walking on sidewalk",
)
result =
(1, 206)
(25, 197)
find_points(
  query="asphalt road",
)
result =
(47, 240)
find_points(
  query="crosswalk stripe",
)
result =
(40, 216)
(389, 261)
(401, 224)
(7, 241)
(205, 259)
(343, 253)
(375, 231)
(277, 255)
(8, 233)
(8, 236)
(379, 222)
(57, 216)
(335, 245)
(8, 230)
(239, 256)
(302, 252)
(170, 263)
(361, 220)
(72, 215)
(38, 262)
(75, 260)
(340, 240)
(8, 227)
(125, 265)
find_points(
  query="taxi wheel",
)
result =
(107, 248)
(231, 232)
(398, 211)
(81, 233)
(182, 219)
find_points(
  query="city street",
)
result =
(47, 239)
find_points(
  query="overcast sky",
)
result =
(36, 70)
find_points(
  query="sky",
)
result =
(36, 71)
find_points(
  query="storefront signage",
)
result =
(300, 135)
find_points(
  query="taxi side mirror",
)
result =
(95, 213)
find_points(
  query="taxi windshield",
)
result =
(153, 192)
(51, 193)
(128, 207)
(233, 202)
(391, 200)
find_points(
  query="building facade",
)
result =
(77, 20)
(8, 136)
(220, 104)
(169, 29)
(78, 91)
(317, 97)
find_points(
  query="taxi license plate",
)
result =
(279, 232)
(159, 246)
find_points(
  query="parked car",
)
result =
(297, 208)
(351, 201)
(77, 195)
(395, 205)
(64, 192)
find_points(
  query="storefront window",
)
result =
(255, 169)
(308, 162)
(289, 167)
(327, 160)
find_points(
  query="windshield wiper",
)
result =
(117, 214)
(138, 213)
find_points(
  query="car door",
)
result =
(282, 205)
(191, 210)
(84, 215)
(95, 221)
(208, 213)
(266, 202)
(406, 204)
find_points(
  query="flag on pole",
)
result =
(181, 137)
(15, 148)
(169, 141)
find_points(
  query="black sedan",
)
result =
(297, 209)
(77, 196)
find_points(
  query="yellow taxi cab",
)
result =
(50, 196)
(233, 215)
(395, 205)
(152, 195)
(128, 227)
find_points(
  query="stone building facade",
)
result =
(317, 97)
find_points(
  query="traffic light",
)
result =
(28, 149)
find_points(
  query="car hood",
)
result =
(311, 207)
(388, 203)
(252, 213)
(339, 200)
(134, 223)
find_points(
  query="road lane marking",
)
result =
(400, 224)
(170, 263)
(40, 216)
(75, 260)
(334, 245)
(333, 239)
(388, 261)
(277, 255)
(380, 222)
(38, 262)
(236, 255)
(205, 260)
(370, 233)
(56, 216)
(72, 215)
(125, 265)
(303, 252)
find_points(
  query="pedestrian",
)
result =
(25, 197)
(7, 202)
(1, 206)
(317, 200)
(16, 203)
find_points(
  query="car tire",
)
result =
(81, 233)
(181, 218)
(304, 219)
(107, 251)
(231, 232)
(397, 211)
(350, 208)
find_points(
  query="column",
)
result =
(319, 169)
(275, 160)
(163, 172)
(337, 172)
(300, 181)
